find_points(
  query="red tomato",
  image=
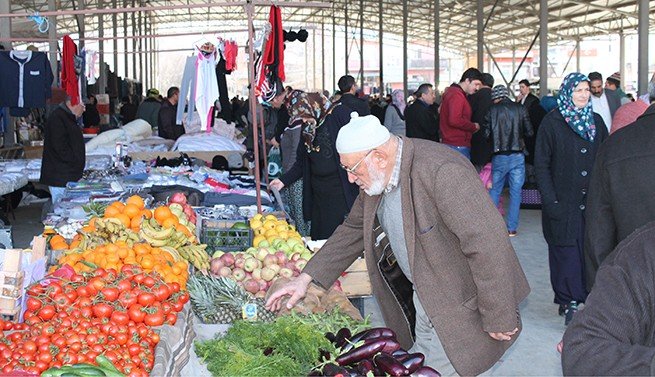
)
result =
(102, 310)
(47, 312)
(124, 285)
(127, 299)
(154, 319)
(119, 317)
(33, 304)
(136, 313)
(162, 292)
(146, 299)
(149, 281)
(175, 287)
(110, 293)
(171, 318)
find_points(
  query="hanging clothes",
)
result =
(230, 53)
(270, 65)
(224, 98)
(206, 88)
(25, 79)
(91, 66)
(69, 79)
(188, 87)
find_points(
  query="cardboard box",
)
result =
(13, 260)
(11, 284)
(355, 281)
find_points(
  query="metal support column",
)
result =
(347, 38)
(314, 60)
(305, 48)
(322, 54)
(642, 59)
(381, 46)
(140, 44)
(577, 55)
(405, 16)
(334, 55)
(543, 47)
(126, 71)
(480, 19)
(437, 58)
(513, 60)
(361, 44)
(52, 41)
(133, 54)
(145, 55)
(114, 25)
(102, 79)
(5, 25)
(622, 58)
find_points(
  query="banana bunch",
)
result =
(108, 230)
(157, 236)
(196, 255)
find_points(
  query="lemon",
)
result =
(259, 231)
(271, 218)
(271, 233)
(257, 217)
(281, 227)
(255, 224)
(283, 234)
(268, 224)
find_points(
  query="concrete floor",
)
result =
(533, 354)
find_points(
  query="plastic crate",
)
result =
(219, 235)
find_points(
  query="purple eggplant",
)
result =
(426, 372)
(360, 353)
(377, 332)
(331, 337)
(365, 366)
(315, 373)
(343, 336)
(399, 352)
(391, 344)
(413, 361)
(323, 355)
(390, 365)
(335, 370)
(268, 351)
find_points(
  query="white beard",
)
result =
(377, 181)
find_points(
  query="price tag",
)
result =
(249, 312)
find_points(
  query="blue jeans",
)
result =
(510, 167)
(466, 151)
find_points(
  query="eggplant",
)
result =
(343, 336)
(323, 355)
(268, 351)
(399, 352)
(391, 344)
(376, 332)
(352, 372)
(331, 337)
(413, 361)
(335, 370)
(315, 373)
(365, 366)
(390, 365)
(426, 372)
(360, 353)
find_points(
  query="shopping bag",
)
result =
(274, 163)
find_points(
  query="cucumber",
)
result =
(106, 365)
(95, 371)
(69, 374)
(83, 365)
(58, 372)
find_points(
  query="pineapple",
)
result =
(220, 300)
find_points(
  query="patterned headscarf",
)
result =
(398, 99)
(581, 121)
(307, 110)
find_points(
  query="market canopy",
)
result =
(511, 23)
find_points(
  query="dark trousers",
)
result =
(567, 271)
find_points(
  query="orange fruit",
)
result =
(62, 245)
(146, 213)
(183, 229)
(112, 212)
(124, 219)
(57, 238)
(74, 244)
(162, 213)
(170, 222)
(132, 211)
(118, 205)
(137, 201)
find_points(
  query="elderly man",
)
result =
(420, 121)
(441, 266)
(604, 101)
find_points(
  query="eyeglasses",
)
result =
(354, 168)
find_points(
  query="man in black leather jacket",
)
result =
(508, 124)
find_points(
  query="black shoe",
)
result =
(561, 310)
(571, 309)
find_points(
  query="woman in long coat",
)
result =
(327, 194)
(567, 142)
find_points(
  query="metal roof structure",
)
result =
(509, 23)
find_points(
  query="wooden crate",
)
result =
(355, 281)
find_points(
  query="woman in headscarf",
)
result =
(394, 118)
(567, 142)
(327, 194)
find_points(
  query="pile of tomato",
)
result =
(73, 320)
